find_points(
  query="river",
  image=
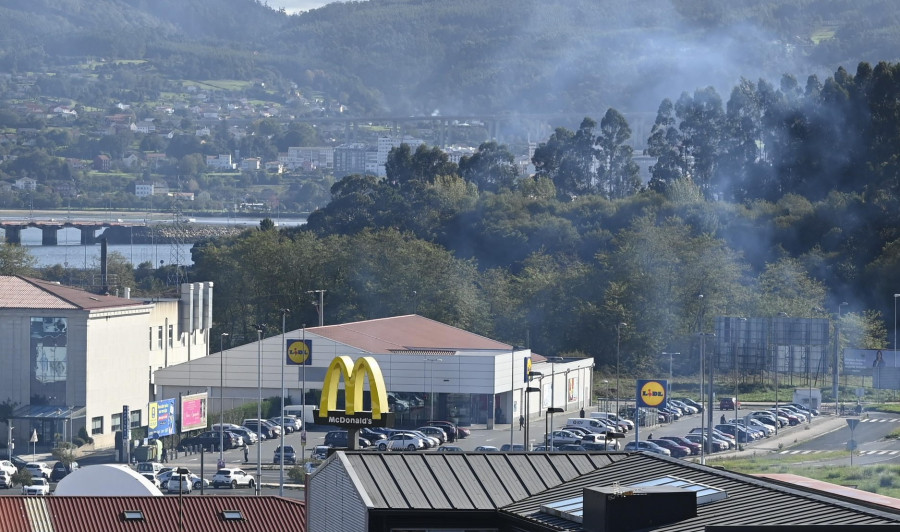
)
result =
(70, 253)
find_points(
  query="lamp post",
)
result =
(512, 398)
(618, 345)
(669, 391)
(431, 385)
(736, 372)
(606, 397)
(221, 401)
(320, 305)
(284, 313)
(260, 327)
(529, 390)
(835, 368)
(895, 329)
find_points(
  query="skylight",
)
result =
(133, 515)
(705, 494)
(232, 515)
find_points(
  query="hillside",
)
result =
(466, 56)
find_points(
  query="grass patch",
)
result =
(824, 33)
(219, 84)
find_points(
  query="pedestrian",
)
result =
(722, 421)
(165, 456)
(521, 422)
(650, 436)
(246, 453)
(582, 413)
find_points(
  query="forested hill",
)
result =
(421, 56)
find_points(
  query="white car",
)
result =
(402, 441)
(233, 477)
(152, 478)
(179, 484)
(6, 465)
(39, 470)
(39, 486)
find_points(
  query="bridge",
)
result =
(50, 227)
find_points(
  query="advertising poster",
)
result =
(161, 420)
(193, 411)
(864, 362)
(572, 389)
(49, 358)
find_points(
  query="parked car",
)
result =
(729, 403)
(517, 447)
(289, 424)
(290, 456)
(685, 408)
(233, 477)
(449, 449)
(805, 409)
(544, 448)
(740, 433)
(320, 452)
(449, 428)
(690, 402)
(372, 435)
(60, 470)
(684, 442)
(9, 467)
(486, 449)
(208, 440)
(791, 417)
(430, 441)
(39, 470)
(6, 481)
(435, 432)
(338, 438)
(676, 450)
(179, 484)
(402, 441)
(570, 447)
(562, 437)
(263, 427)
(39, 486)
(715, 446)
(648, 446)
(152, 478)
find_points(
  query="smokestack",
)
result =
(104, 285)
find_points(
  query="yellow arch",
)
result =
(353, 374)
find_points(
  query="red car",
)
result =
(678, 451)
(684, 442)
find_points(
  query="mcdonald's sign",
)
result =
(353, 415)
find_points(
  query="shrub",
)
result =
(886, 481)
(78, 442)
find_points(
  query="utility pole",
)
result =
(320, 305)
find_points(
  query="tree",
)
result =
(617, 173)
(491, 168)
(567, 159)
(665, 144)
(16, 260)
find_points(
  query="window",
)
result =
(159, 337)
(97, 425)
(171, 335)
(116, 422)
(135, 418)
(151, 338)
(133, 515)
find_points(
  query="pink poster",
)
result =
(193, 412)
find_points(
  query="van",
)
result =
(149, 467)
(624, 424)
(592, 425)
(303, 413)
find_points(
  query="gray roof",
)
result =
(517, 484)
(750, 501)
(465, 481)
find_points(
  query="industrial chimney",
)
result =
(104, 282)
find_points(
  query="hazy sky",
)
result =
(292, 6)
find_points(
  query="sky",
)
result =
(293, 6)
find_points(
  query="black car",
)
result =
(338, 438)
(450, 428)
(60, 470)
(209, 440)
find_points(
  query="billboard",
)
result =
(865, 361)
(299, 352)
(161, 420)
(652, 393)
(193, 411)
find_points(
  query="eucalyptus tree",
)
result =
(665, 144)
(617, 173)
(492, 167)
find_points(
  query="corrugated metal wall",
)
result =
(333, 501)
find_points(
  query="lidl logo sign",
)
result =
(299, 352)
(651, 393)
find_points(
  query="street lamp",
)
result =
(260, 328)
(284, 313)
(221, 463)
(670, 369)
(529, 390)
(431, 385)
(835, 370)
(618, 345)
(550, 412)
(605, 397)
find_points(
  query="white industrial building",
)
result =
(438, 371)
(74, 358)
